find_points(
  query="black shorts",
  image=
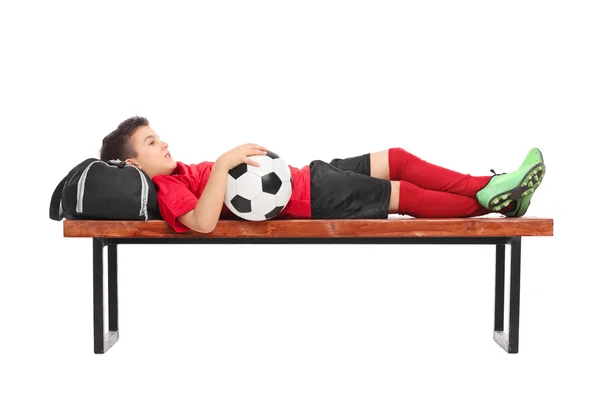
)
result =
(344, 189)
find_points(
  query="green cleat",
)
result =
(515, 186)
(533, 157)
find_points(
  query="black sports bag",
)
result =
(96, 189)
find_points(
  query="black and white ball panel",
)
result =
(259, 193)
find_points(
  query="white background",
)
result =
(468, 85)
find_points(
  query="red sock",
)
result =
(408, 167)
(423, 203)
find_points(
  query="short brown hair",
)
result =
(116, 144)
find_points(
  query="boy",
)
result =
(372, 185)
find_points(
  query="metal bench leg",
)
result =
(102, 341)
(509, 341)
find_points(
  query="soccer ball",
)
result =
(259, 193)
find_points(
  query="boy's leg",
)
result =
(380, 164)
(348, 193)
(509, 194)
(394, 197)
(409, 199)
(398, 164)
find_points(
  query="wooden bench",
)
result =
(491, 231)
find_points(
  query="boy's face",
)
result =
(153, 155)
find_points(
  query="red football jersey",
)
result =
(179, 192)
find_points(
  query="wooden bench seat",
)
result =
(481, 230)
(406, 227)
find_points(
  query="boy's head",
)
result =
(136, 143)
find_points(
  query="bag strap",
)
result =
(56, 211)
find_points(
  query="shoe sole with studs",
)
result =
(528, 185)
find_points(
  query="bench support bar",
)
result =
(507, 339)
(104, 341)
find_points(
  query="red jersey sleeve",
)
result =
(174, 199)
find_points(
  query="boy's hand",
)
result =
(240, 154)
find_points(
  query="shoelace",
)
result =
(494, 172)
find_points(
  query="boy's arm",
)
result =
(204, 217)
